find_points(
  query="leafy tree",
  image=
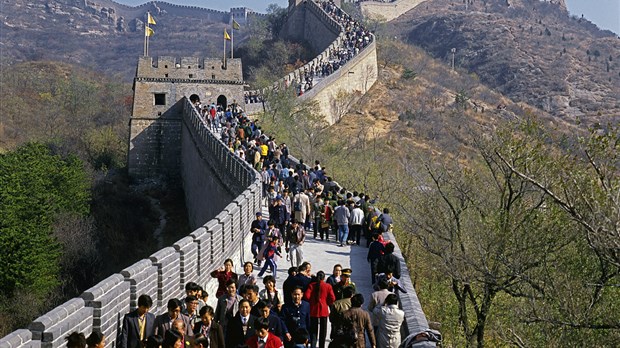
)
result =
(583, 182)
(295, 123)
(276, 17)
(35, 186)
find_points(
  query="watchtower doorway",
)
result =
(221, 100)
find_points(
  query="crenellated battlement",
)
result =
(190, 68)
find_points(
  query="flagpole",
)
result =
(232, 36)
(224, 48)
(146, 37)
(147, 42)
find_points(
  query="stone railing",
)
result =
(164, 274)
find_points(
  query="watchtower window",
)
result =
(166, 75)
(165, 66)
(213, 76)
(189, 66)
(213, 67)
(191, 76)
(160, 99)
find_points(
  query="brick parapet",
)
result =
(163, 274)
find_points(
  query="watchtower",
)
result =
(156, 119)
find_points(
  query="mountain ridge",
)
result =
(531, 51)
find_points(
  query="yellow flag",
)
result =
(236, 25)
(226, 36)
(148, 31)
(150, 19)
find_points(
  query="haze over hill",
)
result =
(107, 36)
(529, 50)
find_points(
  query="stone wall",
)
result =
(351, 80)
(320, 30)
(308, 22)
(415, 319)
(164, 274)
(155, 124)
(387, 10)
(19, 338)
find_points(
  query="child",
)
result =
(270, 254)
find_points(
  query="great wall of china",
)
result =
(221, 189)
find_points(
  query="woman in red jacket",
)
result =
(321, 296)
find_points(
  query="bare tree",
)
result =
(342, 103)
(489, 230)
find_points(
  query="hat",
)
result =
(258, 213)
(278, 198)
(347, 272)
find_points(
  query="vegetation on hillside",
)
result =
(68, 216)
(40, 192)
(529, 50)
(507, 220)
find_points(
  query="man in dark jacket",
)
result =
(388, 262)
(375, 250)
(276, 326)
(137, 325)
(289, 285)
(241, 327)
(295, 315)
(164, 321)
(258, 229)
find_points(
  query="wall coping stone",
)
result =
(183, 242)
(16, 338)
(136, 268)
(57, 314)
(102, 287)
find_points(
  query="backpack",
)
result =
(375, 223)
(426, 335)
(297, 205)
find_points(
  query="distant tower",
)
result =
(156, 119)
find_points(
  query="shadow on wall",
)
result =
(155, 144)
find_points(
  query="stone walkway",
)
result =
(323, 255)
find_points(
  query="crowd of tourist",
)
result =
(302, 202)
(356, 38)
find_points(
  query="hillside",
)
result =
(107, 36)
(528, 50)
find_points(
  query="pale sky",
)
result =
(604, 13)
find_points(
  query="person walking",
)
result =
(320, 295)
(258, 229)
(357, 320)
(270, 254)
(342, 215)
(295, 238)
(356, 221)
(389, 319)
